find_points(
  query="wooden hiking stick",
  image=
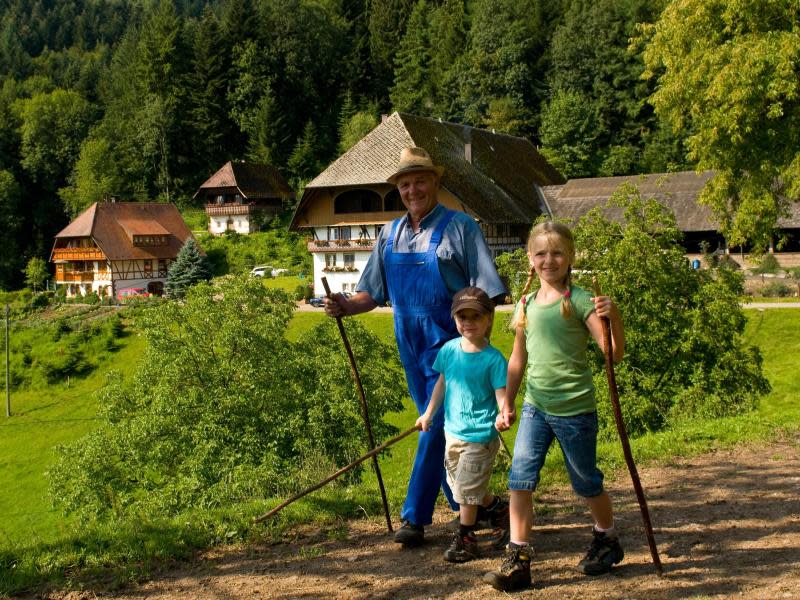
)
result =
(364, 411)
(341, 471)
(623, 436)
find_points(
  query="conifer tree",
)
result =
(448, 39)
(304, 162)
(190, 267)
(412, 87)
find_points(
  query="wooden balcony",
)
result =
(341, 245)
(77, 277)
(71, 254)
(224, 210)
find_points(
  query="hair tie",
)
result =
(567, 294)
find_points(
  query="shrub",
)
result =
(224, 409)
(768, 264)
(777, 289)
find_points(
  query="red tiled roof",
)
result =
(111, 225)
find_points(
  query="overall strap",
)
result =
(390, 241)
(436, 238)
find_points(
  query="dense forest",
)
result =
(143, 100)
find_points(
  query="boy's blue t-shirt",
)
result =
(471, 379)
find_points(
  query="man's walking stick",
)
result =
(341, 471)
(364, 411)
(623, 436)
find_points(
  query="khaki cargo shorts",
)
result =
(469, 468)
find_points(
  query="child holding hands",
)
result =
(553, 327)
(471, 385)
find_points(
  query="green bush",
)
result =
(768, 264)
(777, 289)
(223, 409)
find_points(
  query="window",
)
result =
(339, 233)
(349, 260)
(330, 260)
(354, 201)
(392, 202)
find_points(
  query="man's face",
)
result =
(418, 191)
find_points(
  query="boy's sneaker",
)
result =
(462, 549)
(499, 522)
(487, 518)
(514, 573)
(410, 534)
(603, 553)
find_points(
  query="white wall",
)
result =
(219, 224)
(338, 280)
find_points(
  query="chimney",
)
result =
(468, 152)
(384, 118)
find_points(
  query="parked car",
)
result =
(267, 271)
(126, 293)
(317, 301)
(263, 271)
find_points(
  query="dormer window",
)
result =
(149, 240)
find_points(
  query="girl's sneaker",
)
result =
(515, 572)
(603, 553)
(462, 549)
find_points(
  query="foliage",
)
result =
(355, 128)
(10, 223)
(685, 355)
(189, 268)
(412, 87)
(767, 264)
(36, 273)
(234, 253)
(224, 409)
(727, 71)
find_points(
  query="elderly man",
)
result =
(420, 260)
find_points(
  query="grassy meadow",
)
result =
(39, 546)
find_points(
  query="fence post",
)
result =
(8, 388)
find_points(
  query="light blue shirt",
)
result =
(471, 378)
(463, 256)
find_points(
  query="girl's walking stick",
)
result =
(341, 471)
(623, 436)
(364, 411)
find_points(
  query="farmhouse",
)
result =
(241, 196)
(678, 192)
(495, 178)
(116, 245)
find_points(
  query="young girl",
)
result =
(553, 327)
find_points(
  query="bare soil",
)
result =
(727, 525)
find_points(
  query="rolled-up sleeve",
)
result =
(474, 257)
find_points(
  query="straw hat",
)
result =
(414, 159)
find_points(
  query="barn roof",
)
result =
(677, 191)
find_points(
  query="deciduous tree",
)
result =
(728, 72)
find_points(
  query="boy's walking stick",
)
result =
(623, 436)
(364, 411)
(341, 471)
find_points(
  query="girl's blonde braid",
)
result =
(521, 318)
(566, 304)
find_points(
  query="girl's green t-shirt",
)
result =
(559, 378)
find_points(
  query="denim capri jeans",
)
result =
(577, 436)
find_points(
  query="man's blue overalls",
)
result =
(422, 324)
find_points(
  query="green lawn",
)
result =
(44, 545)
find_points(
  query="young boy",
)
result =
(472, 385)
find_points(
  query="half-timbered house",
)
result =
(115, 245)
(493, 177)
(241, 196)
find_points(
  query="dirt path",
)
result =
(727, 526)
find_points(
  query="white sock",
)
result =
(611, 532)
